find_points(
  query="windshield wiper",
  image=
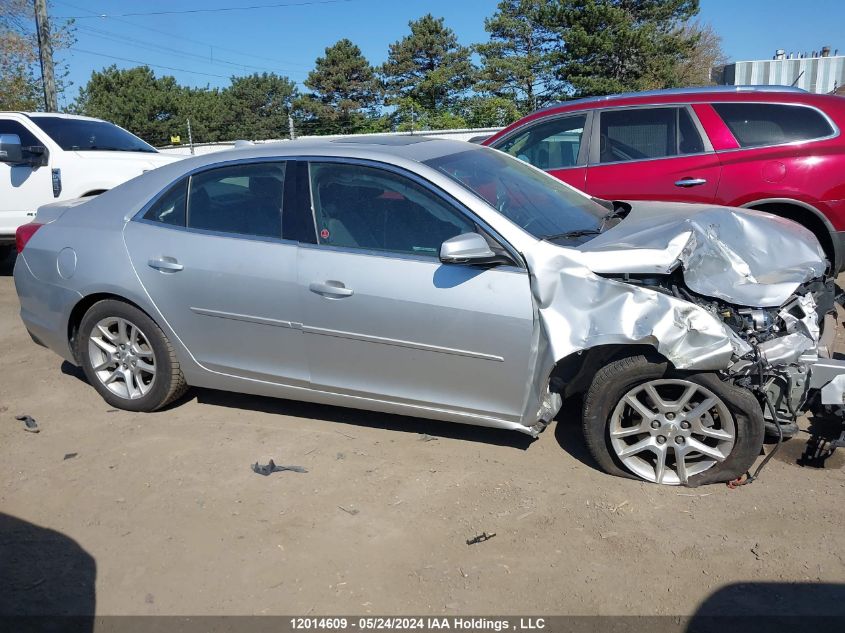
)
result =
(570, 234)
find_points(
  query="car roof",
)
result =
(402, 151)
(57, 115)
(702, 92)
(384, 147)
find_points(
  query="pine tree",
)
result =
(345, 91)
(517, 61)
(428, 69)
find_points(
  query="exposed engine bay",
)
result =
(783, 342)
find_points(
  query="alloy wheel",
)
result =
(668, 430)
(122, 358)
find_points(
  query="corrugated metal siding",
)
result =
(814, 74)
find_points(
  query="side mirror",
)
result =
(467, 248)
(10, 149)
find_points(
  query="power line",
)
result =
(135, 61)
(182, 37)
(115, 37)
(275, 5)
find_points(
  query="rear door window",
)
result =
(242, 199)
(553, 144)
(170, 208)
(647, 133)
(760, 124)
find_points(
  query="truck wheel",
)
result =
(643, 421)
(127, 358)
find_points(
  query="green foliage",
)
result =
(134, 99)
(429, 67)
(345, 90)
(20, 73)
(207, 111)
(156, 108)
(484, 111)
(257, 106)
(613, 46)
(517, 61)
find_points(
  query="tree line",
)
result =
(538, 51)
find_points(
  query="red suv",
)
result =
(776, 149)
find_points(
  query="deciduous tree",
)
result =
(20, 74)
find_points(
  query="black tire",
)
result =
(168, 383)
(616, 379)
(6, 251)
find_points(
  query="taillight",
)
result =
(25, 233)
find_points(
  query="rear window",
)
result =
(759, 124)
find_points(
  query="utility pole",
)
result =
(190, 137)
(45, 53)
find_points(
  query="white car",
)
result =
(50, 157)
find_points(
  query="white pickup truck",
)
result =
(49, 157)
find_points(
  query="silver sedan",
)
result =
(444, 280)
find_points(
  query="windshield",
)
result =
(540, 204)
(83, 135)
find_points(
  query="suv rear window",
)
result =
(759, 124)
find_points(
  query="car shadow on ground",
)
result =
(341, 415)
(7, 264)
(44, 573)
(772, 607)
(567, 427)
(568, 431)
(350, 418)
(812, 447)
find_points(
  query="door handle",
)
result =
(690, 182)
(165, 264)
(331, 289)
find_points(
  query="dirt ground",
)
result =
(162, 514)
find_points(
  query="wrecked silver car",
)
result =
(443, 280)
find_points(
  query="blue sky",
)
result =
(206, 48)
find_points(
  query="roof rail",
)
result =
(676, 91)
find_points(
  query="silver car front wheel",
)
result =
(644, 420)
(669, 430)
(122, 357)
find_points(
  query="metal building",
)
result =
(819, 72)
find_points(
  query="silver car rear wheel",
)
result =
(668, 430)
(122, 357)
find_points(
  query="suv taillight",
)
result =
(25, 233)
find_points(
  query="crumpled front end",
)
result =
(736, 292)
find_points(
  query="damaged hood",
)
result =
(744, 257)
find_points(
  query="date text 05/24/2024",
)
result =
(455, 623)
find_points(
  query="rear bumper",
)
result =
(45, 309)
